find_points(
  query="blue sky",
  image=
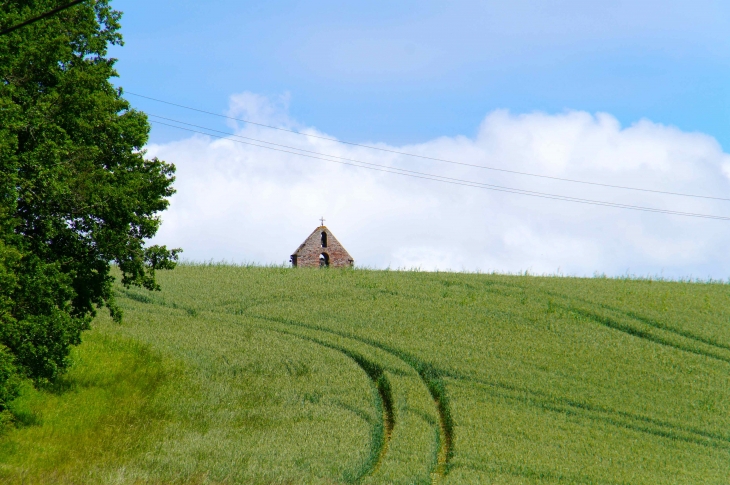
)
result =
(404, 72)
(632, 93)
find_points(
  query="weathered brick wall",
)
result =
(307, 256)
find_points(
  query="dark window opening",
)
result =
(324, 239)
(324, 260)
(293, 259)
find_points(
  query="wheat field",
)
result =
(272, 375)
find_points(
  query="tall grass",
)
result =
(103, 410)
(245, 374)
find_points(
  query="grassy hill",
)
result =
(275, 375)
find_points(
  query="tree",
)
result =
(76, 191)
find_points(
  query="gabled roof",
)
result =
(311, 252)
(331, 241)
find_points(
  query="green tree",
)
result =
(76, 191)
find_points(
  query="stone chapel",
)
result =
(320, 250)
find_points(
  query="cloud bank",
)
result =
(244, 203)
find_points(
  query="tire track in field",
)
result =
(650, 322)
(428, 374)
(621, 419)
(649, 336)
(642, 334)
(614, 417)
(376, 373)
(664, 327)
(611, 323)
(657, 324)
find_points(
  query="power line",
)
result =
(40, 17)
(443, 179)
(396, 152)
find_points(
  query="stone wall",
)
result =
(308, 254)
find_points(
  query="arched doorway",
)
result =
(324, 260)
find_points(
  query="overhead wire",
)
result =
(40, 17)
(423, 175)
(395, 170)
(425, 157)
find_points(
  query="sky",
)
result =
(626, 93)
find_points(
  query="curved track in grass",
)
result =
(429, 375)
(385, 404)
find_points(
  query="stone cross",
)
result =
(322, 220)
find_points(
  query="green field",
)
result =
(283, 376)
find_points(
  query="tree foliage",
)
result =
(76, 191)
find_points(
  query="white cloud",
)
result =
(245, 203)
